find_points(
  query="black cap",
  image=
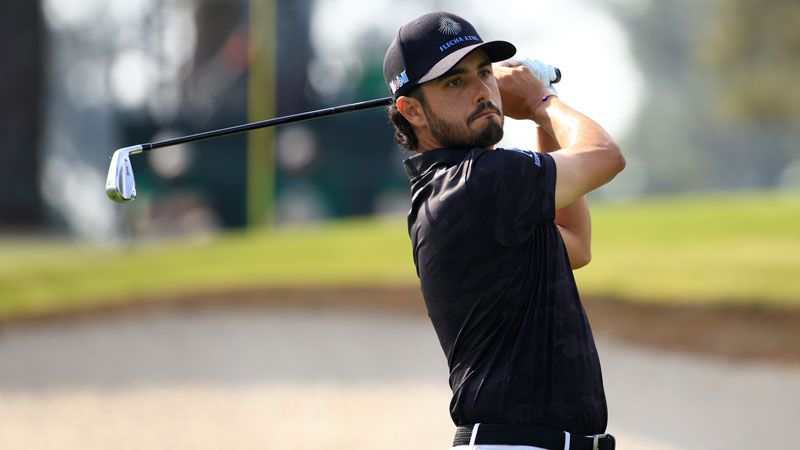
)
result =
(430, 45)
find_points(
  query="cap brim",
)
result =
(496, 50)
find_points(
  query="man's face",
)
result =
(463, 106)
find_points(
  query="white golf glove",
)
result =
(544, 72)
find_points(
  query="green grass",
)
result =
(42, 277)
(734, 249)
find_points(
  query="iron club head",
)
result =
(120, 184)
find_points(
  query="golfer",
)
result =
(496, 234)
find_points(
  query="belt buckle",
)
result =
(596, 440)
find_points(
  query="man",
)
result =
(496, 234)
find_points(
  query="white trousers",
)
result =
(496, 447)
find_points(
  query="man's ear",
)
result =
(411, 109)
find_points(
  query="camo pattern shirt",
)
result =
(499, 290)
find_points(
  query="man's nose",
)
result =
(482, 91)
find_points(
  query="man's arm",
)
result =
(574, 221)
(589, 157)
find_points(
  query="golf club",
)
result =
(121, 186)
(120, 183)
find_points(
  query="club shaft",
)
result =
(351, 107)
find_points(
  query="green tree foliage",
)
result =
(754, 52)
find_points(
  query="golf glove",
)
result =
(544, 72)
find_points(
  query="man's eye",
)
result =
(454, 82)
(485, 73)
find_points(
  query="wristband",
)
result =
(544, 100)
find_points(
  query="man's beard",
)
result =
(450, 135)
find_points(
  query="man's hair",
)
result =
(403, 131)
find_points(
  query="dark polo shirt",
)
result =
(499, 290)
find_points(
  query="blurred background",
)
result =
(700, 95)
(240, 247)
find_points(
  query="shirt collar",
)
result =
(420, 163)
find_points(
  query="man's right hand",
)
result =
(545, 72)
(520, 90)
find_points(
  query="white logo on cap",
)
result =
(449, 26)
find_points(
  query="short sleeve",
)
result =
(513, 191)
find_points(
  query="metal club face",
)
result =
(120, 184)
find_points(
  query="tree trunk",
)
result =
(21, 83)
